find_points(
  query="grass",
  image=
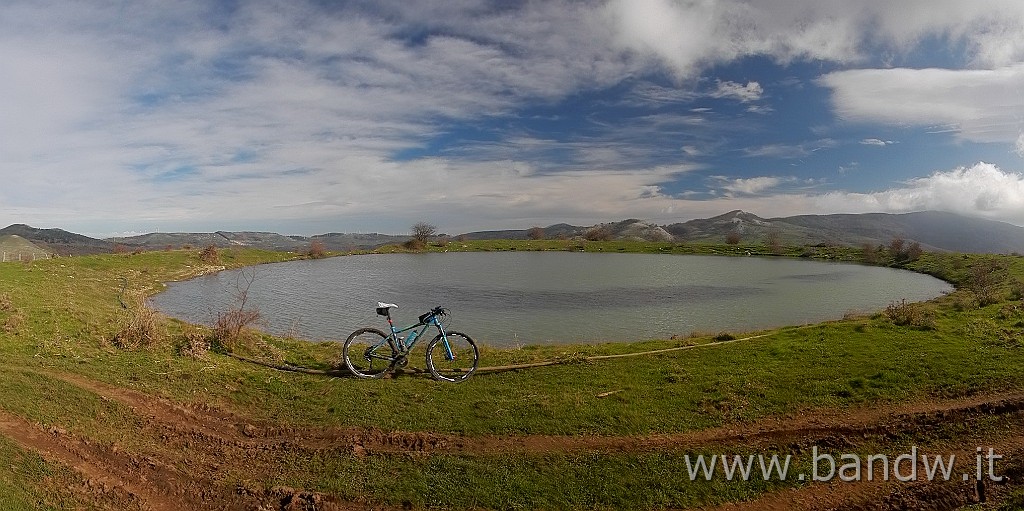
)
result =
(69, 312)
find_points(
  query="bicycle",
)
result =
(450, 356)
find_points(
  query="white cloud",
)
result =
(750, 186)
(979, 105)
(876, 141)
(982, 189)
(685, 36)
(752, 91)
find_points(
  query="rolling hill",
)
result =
(932, 229)
(16, 248)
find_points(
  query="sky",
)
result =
(306, 117)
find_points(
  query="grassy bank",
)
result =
(64, 316)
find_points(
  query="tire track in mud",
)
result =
(213, 432)
(824, 428)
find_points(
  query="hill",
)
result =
(932, 229)
(58, 241)
(16, 248)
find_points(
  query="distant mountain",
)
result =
(221, 239)
(16, 248)
(936, 229)
(354, 241)
(933, 230)
(59, 241)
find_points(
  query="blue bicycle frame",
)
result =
(404, 346)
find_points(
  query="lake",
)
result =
(513, 298)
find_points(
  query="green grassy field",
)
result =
(64, 316)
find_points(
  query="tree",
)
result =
(598, 233)
(773, 239)
(914, 251)
(422, 232)
(733, 238)
(535, 233)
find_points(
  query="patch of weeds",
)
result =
(137, 326)
(193, 343)
(210, 255)
(724, 336)
(6, 304)
(965, 301)
(12, 323)
(1011, 312)
(910, 314)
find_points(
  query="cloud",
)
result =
(982, 189)
(876, 141)
(750, 186)
(686, 36)
(978, 105)
(789, 151)
(1019, 149)
(752, 91)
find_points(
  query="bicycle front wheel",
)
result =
(453, 357)
(368, 354)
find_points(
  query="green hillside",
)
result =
(16, 248)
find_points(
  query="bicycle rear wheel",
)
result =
(368, 354)
(453, 359)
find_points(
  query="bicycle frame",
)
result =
(402, 346)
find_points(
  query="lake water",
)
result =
(511, 298)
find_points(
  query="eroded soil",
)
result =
(208, 458)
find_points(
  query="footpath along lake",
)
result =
(511, 298)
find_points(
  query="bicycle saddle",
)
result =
(384, 308)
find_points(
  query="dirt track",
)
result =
(204, 452)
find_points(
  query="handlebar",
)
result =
(436, 311)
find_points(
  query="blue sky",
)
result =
(305, 117)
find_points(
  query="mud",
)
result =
(200, 453)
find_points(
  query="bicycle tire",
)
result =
(465, 352)
(370, 345)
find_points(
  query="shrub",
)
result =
(724, 336)
(914, 251)
(733, 238)
(137, 326)
(194, 344)
(598, 233)
(230, 325)
(5, 303)
(209, 255)
(414, 244)
(12, 323)
(316, 250)
(869, 254)
(535, 233)
(909, 314)
(965, 301)
(984, 280)
(1016, 290)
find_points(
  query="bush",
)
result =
(209, 255)
(909, 314)
(137, 326)
(5, 303)
(535, 233)
(599, 233)
(316, 250)
(869, 254)
(194, 344)
(414, 244)
(733, 238)
(230, 325)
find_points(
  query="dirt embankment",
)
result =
(200, 454)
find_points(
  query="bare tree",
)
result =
(535, 233)
(422, 231)
(773, 239)
(733, 238)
